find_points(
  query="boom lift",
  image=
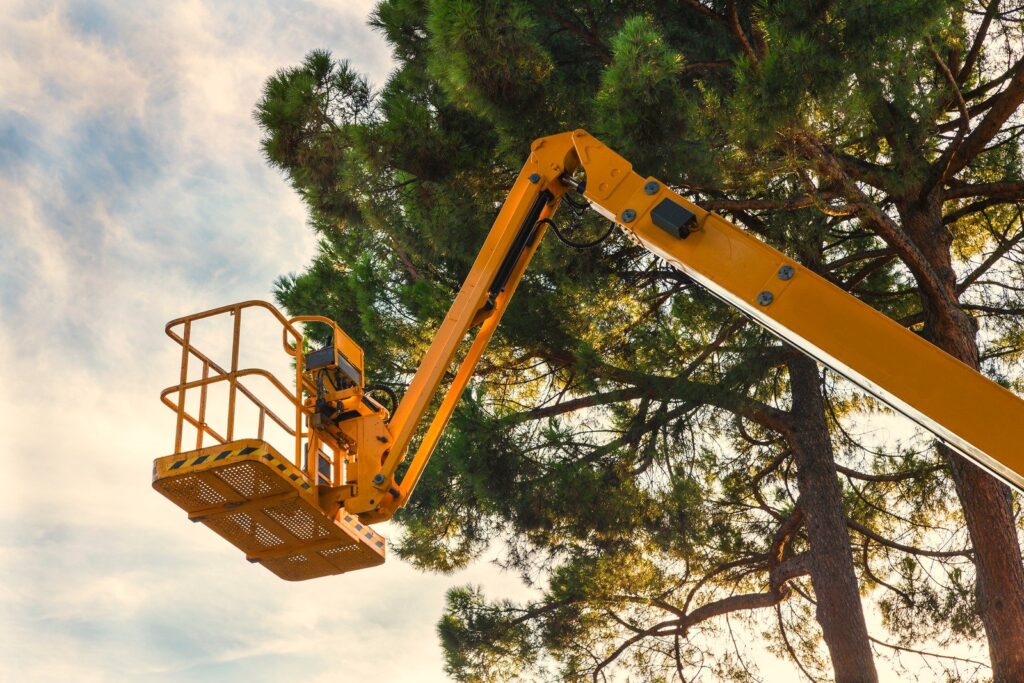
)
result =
(308, 515)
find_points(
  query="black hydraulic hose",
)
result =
(574, 244)
(383, 388)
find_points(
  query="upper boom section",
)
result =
(950, 399)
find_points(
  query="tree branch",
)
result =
(1002, 108)
(672, 627)
(972, 208)
(940, 169)
(1007, 189)
(680, 388)
(979, 40)
(591, 401)
(925, 653)
(580, 30)
(737, 30)
(881, 540)
(885, 226)
(989, 261)
(890, 477)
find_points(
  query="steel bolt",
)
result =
(786, 272)
(652, 187)
(765, 298)
(628, 216)
(535, 178)
(378, 479)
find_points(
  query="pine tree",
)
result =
(658, 461)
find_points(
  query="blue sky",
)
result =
(132, 191)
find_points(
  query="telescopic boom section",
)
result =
(953, 401)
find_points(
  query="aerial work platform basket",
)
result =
(266, 505)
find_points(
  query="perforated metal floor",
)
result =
(265, 506)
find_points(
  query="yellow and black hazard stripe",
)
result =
(199, 460)
(185, 462)
(369, 534)
(283, 466)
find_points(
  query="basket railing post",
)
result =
(299, 370)
(201, 418)
(179, 427)
(211, 373)
(233, 381)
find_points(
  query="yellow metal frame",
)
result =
(266, 507)
(953, 401)
(243, 489)
(942, 394)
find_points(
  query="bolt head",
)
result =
(378, 479)
(786, 272)
(765, 298)
(535, 178)
(652, 187)
(628, 216)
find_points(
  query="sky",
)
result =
(133, 191)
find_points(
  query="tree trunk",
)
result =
(986, 502)
(839, 609)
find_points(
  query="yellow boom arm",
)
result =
(950, 399)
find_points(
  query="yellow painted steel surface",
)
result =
(962, 407)
(973, 414)
(267, 508)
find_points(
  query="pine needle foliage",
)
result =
(633, 449)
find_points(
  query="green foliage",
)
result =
(313, 115)
(483, 53)
(636, 496)
(640, 99)
(483, 642)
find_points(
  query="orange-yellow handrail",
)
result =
(232, 377)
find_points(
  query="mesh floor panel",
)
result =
(264, 506)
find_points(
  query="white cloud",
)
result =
(133, 192)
